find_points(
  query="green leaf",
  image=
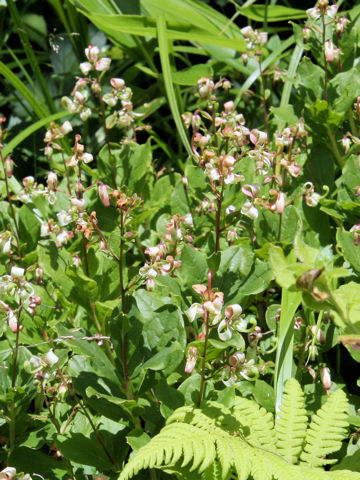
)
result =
(167, 75)
(167, 359)
(264, 395)
(191, 75)
(284, 115)
(279, 266)
(350, 251)
(54, 262)
(193, 267)
(273, 13)
(26, 459)
(290, 302)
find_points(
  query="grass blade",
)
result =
(169, 87)
(38, 108)
(31, 129)
(284, 355)
(32, 59)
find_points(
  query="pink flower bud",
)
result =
(9, 167)
(52, 181)
(306, 34)
(12, 319)
(92, 53)
(150, 284)
(280, 202)
(39, 275)
(319, 334)
(104, 194)
(325, 378)
(191, 359)
(103, 64)
(329, 51)
(117, 83)
(229, 106)
(346, 144)
(85, 68)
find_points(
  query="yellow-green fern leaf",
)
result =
(290, 426)
(327, 429)
(256, 421)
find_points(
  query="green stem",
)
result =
(97, 435)
(335, 150)
(218, 218)
(325, 61)
(203, 377)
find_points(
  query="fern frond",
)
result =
(327, 430)
(257, 423)
(290, 426)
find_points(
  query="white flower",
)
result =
(85, 67)
(52, 180)
(50, 358)
(92, 53)
(117, 83)
(87, 157)
(331, 11)
(233, 312)
(7, 247)
(110, 99)
(103, 64)
(17, 272)
(85, 114)
(79, 203)
(12, 319)
(224, 331)
(233, 178)
(249, 210)
(66, 127)
(44, 229)
(64, 218)
(230, 209)
(313, 13)
(9, 473)
(188, 220)
(152, 273)
(195, 311)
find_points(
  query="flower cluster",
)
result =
(17, 294)
(163, 258)
(213, 314)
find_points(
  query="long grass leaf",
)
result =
(115, 25)
(170, 92)
(29, 52)
(38, 108)
(285, 96)
(284, 355)
(31, 129)
(275, 13)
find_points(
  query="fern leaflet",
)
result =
(291, 425)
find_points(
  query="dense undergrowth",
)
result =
(179, 245)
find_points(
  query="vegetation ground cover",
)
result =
(179, 240)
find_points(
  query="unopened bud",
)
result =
(150, 284)
(117, 83)
(319, 334)
(306, 34)
(104, 194)
(52, 181)
(191, 359)
(9, 473)
(9, 167)
(39, 275)
(325, 378)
